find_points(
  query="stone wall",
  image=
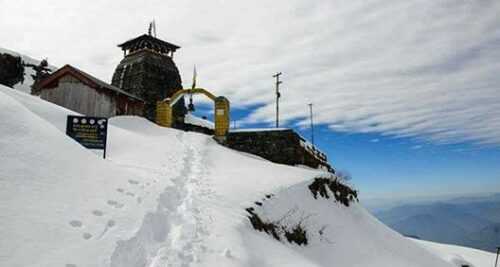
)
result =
(194, 128)
(283, 146)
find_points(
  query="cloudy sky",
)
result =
(396, 85)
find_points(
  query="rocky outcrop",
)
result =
(11, 70)
(287, 216)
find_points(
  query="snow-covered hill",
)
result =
(164, 197)
(459, 256)
(28, 80)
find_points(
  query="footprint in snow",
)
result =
(86, 236)
(70, 265)
(115, 204)
(130, 194)
(120, 190)
(76, 223)
(111, 223)
(227, 253)
(97, 212)
(134, 182)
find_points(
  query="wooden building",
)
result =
(81, 92)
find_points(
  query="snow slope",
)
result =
(165, 198)
(458, 255)
(59, 203)
(194, 120)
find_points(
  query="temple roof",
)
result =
(148, 38)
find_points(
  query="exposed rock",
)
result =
(323, 187)
(11, 70)
(259, 225)
(293, 226)
(297, 235)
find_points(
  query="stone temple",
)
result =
(149, 72)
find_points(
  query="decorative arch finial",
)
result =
(152, 28)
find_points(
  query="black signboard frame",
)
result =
(90, 132)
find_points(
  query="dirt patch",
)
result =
(294, 231)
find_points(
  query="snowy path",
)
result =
(173, 235)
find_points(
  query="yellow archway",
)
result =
(165, 118)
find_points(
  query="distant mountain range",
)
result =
(466, 221)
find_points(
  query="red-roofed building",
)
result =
(81, 92)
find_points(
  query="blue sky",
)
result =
(399, 168)
(421, 77)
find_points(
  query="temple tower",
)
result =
(149, 72)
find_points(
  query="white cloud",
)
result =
(425, 69)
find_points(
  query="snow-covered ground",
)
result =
(459, 256)
(194, 120)
(167, 198)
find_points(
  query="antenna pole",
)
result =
(312, 123)
(278, 95)
(154, 28)
(498, 252)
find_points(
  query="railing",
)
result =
(312, 149)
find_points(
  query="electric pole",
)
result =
(312, 123)
(278, 95)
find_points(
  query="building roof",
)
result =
(84, 78)
(145, 37)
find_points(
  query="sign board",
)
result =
(90, 132)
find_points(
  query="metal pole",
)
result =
(498, 252)
(105, 138)
(278, 95)
(312, 123)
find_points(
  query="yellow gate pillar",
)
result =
(164, 113)
(221, 117)
(164, 110)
